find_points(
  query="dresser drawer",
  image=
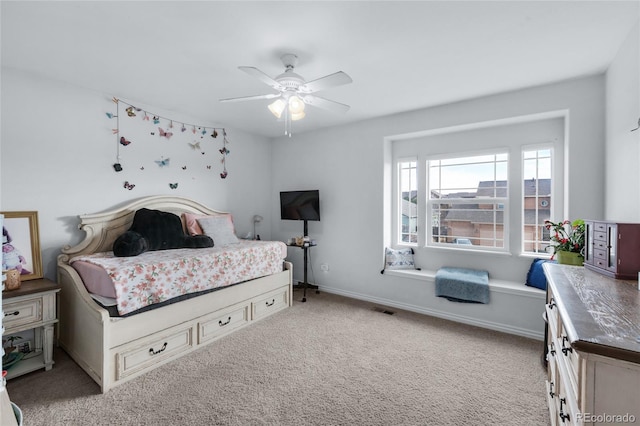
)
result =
(219, 324)
(158, 347)
(21, 313)
(270, 303)
(568, 356)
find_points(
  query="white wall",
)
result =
(57, 154)
(623, 146)
(347, 163)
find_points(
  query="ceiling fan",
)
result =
(294, 92)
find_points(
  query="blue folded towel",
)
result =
(463, 285)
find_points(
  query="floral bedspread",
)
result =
(156, 276)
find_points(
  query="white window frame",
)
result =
(555, 210)
(397, 234)
(494, 200)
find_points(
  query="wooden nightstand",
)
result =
(32, 307)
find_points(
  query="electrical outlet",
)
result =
(324, 267)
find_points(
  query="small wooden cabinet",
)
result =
(612, 248)
(593, 352)
(32, 307)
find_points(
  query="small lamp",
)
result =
(256, 219)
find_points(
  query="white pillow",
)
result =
(219, 228)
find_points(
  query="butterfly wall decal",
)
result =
(146, 117)
(130, 112)
(165, 134)
(117, 167)
(156, 119)
(173, 185)
(128, 185)
(195, 145)
(184, 167)
(123, 141)
(223, 175)
(214, 134)
(111, 115)
(163, 162)
(208, 167)
(224, 151)
(183, 129)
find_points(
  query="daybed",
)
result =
(113, 350)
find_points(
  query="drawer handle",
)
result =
(222, 324)
(551, 392)
(552, 303)
(562, 415)
(552, 350)
(152, 352)
(270, 303)
(16, 313)
(565, 350)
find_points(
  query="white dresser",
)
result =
(593, 347)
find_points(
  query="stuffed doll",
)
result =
(11, 257)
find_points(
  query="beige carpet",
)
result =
(330, 361)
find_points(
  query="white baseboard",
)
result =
(505, 328)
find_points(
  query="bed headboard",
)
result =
(103, 228)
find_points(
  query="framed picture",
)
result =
(21, 244)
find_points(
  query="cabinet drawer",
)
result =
(270, 303)
(219, 324)
(600, 245)
(600, 236)
(600, 254)
(21, 313)
(600, 227)
(138, 356)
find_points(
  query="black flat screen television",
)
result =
(300, 205)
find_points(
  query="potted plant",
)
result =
(568, 241)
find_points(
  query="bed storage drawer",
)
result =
(219, 324)
(147, 353)
(269, 303)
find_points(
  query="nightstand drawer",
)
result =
(600, 254)
(21, 313)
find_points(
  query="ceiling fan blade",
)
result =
(323, 103)
(252, 98)
(255, 72)
(332, 80)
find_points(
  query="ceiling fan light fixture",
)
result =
(296, 105)
(277, 107)
(295, 116)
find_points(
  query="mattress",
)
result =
(157, 277)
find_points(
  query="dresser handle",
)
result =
(16, 313)
(551, 393)
(270, 303)
(565, 350)
(562, 415)
(552, 303)
(222, 324)
(552, 350)
(152, 352)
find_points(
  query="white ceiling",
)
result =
(183, 56)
